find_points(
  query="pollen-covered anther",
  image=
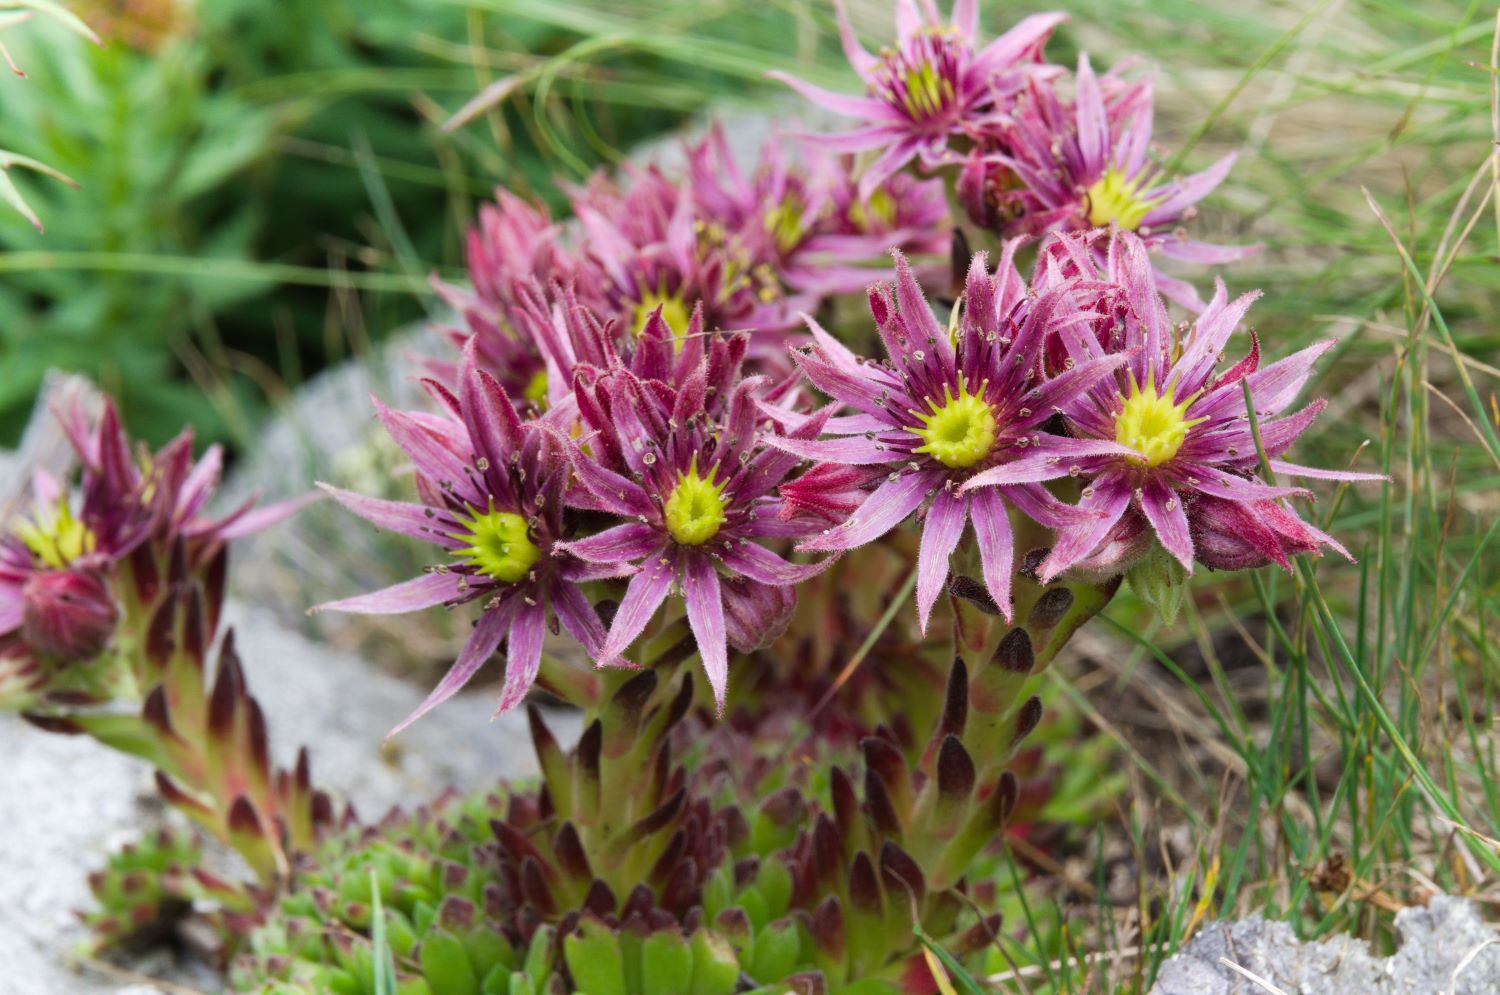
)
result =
(695, 511)
(961, 429)
(497, 544)
(674, 311)
(1115, 198)
(1153, 424)
(55, 537)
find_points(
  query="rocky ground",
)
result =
(1446, 949)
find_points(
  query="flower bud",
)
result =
(67, 614)
(1160, 581)
(1234, 535)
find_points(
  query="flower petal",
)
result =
(1055, 459)
(705, 611)
(1109, 496)
(578, 617)
(523, 655)
(481, 645)
(886, 507)
(851, 450)
(647, 590)
(398, 599)
(940, 535)
(630, 541)
(761, 564)
(1163, 508)
(1318, 473)
(991, 518)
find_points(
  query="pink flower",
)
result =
(491, 497)
(693, 481)
(1180, 423)
(942, 412)
(1052, 166)
(934, 85)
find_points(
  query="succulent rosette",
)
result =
(947, 407)
(694, 479)
(1183, 432)
(933, 85)
(491, 492)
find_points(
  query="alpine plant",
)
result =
(935, 86)
(694, 443)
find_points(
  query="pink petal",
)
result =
(886, 507)
(1163, 508)
(1093, 123)
(861, 60)
(1055, 460)
(1230, 487)
(647, 590)
(481, 645)
(401, 517)
(840, 103)
(1209, 337)
(763, 565)
(853, 450)
(578, 617)
(1317, 473)
(705, 610)
(1110, 496)
(407, 596)
(523, 655)
(264, 517)
(1188, 191)
(630, 541)
(940, 535)
(997, 544)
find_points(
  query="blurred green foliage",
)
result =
(265, 189)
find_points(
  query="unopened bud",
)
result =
(67, 614)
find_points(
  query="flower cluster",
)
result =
(635, 418)
(1027, 157)
(1070, 402)
(666, 445)
(751, 250)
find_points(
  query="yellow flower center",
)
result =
(1151, 424)
(536, 389)
(1117, 198)
(784, 222)
(695, 510)
(879, 210)
(960, 431)
(926, 93)
(499, 545)
(674, 311)
(56, 538)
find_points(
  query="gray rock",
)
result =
(1446, 949)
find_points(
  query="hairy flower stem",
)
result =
(1000, 655)
(197, 724)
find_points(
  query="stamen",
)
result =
(498, 544)
(961, 429)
